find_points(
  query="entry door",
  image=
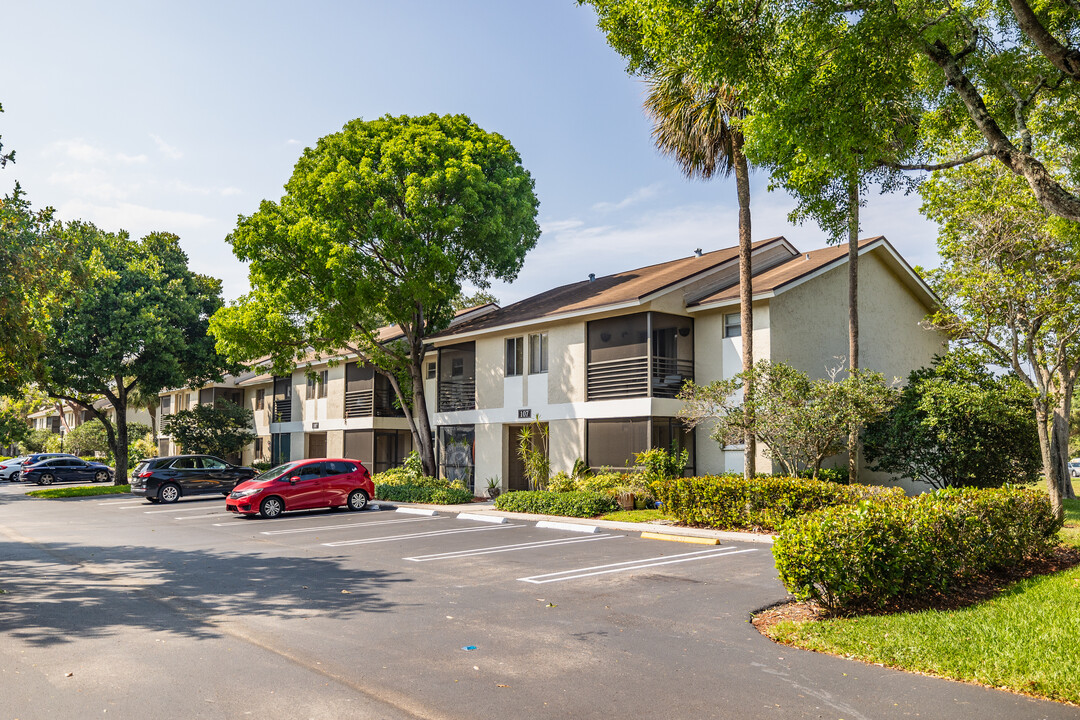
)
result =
(515, 476)
(317, 445)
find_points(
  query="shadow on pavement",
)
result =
(50, 596)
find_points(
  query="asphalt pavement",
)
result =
(115, 607)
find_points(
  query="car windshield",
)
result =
(276, 472)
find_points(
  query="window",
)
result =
(315, 470)
(515, 352)
(457, 367)
(260, 399)
(732, 325)
(316, 386)
(258, 446)
(538, 353)
(166, 406)
(613, 443)
(212, 463)
(431, 371)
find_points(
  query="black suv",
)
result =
(167, 479)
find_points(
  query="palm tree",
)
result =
(697, 124)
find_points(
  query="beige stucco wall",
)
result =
(566, 363)
(810, 328)
(489, 372)
(488, 450)
(566, 443)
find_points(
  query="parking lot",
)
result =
(389, 613)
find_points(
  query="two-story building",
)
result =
(600, 361)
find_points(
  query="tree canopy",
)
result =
(880, 83)
(141, 320)
(958, 425)
(380, 223)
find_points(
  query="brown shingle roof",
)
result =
(776, 277)
(631, 285)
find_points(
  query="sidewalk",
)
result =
(488, 508)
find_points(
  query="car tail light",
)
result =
(145, 474)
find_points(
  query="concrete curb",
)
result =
(488, 509)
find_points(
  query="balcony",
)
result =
(459, 394)
(371, 403)
(282, 411)
(630, 377)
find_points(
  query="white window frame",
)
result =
(538, 353)
(516, 368)
(732, 329)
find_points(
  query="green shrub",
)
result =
(576, 503)
(659, 464)
(875, 550)
(444, 495)
(561, 482)
(730, 502)
(608, 482)
(261, 466)
(410, 473)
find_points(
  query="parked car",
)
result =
(167, 479)
(1074, 467)
(10, 469)
(302, 485)
(65, 469)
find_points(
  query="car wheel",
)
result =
(169, 493)
(46, 479)
(358, 500)
(101, 476)
(271, 507)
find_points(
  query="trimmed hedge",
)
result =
(731, 502)
(868, 553)
(418, 494)
(576, 503)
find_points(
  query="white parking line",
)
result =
(347, 525)
(122, 502)
(391, 538)
(170, 510)
(630, 565)
(195, 517)
(506, 548)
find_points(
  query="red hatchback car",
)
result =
(303, 485)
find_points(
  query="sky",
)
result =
(180, 117)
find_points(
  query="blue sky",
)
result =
(152, 116)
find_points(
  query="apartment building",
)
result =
(61, 418)
(598, 363)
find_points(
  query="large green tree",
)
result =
(698, 124)
(380, 223)
(958, 425)
(903, 78)
(1010, 283)
(140, 321)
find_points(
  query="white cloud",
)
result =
(93, 183)
(169, 151)
(292, 141)
(184, 187)
(640, 195)
(79, 150)
(136, 219)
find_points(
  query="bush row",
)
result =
(730, 502)
(870, 552)
(418, 494)
(573, 503)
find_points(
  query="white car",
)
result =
(9, 469)
(1074, 467)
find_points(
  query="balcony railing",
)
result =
(630, 377)
(368, 403)
(457, 395)
(282, 411)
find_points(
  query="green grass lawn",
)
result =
(637, 516)
(81, 491)
(1027, 639)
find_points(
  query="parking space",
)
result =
(468, 547)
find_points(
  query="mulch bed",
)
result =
(980, 589)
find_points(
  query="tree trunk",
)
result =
(1048, 446)
(853, 314)
(119, 404)
(1059, 424)
(746, 295)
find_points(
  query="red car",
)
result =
(303, 485)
